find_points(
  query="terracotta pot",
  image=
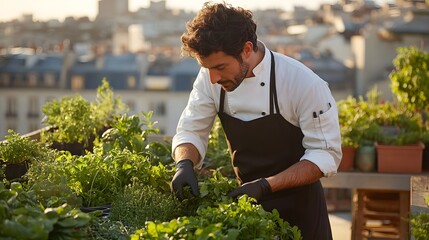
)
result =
(425, 163)
(347, 162)
(400, 159)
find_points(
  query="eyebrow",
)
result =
(219, 65)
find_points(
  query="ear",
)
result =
(247, 49)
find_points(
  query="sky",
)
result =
(43, 10)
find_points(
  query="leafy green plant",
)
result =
(140, 203)
(107, 106)
(129, 132)
(98, 178)
(18, 149)
(133, 133)
(410, 82)
(230, 220)
(374, 120)
(420, 224)
(410, 78)
(132, 173)
(73, 119)
(22, 217)
(357, 118)
(105, 229)
(400, 129)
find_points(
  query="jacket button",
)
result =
(262, 84)
(263, 113)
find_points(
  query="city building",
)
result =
(350, 44)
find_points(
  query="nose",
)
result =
(214, 76)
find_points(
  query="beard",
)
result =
(231, 85)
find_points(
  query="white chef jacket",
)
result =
(304, 100)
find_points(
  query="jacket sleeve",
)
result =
(318, 120)
(197, 118)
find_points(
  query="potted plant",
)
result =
(75, 122)
(356, 118)
(17, 152)
(349, 129)
(410, 85)
(399, 145)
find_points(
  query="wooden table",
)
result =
(363, 180)
(374, 181)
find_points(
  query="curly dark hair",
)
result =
(219, 27)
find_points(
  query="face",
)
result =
(225, 70)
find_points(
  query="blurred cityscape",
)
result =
(350, 44)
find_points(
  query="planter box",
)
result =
(14, 171)
(400, 159)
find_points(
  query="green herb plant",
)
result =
(410, 78)
(73, 119)
(22, 217)
(420, 224)
(140, 203)
(230, 220)
(18, 149)
(377, 121)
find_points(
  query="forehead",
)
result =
(215, 59)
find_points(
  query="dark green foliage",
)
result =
(374, 120)
(130, 172)
(76, 120)
(140, 203)
(22, 217)
(133, 133)
(105, 229)
(230, 220)
(97, 178)
(215, 216)
(19, 149)
(420, 226)
(72, 120)
(410, 78)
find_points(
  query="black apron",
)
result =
(266, 146)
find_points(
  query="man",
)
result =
(280, 119)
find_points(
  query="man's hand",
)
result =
(184, 175)
(255, 189)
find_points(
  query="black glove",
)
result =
(184, 175)
(255, 189)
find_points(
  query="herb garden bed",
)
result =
(120, 190)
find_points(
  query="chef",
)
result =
(280, 119)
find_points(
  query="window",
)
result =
(131, 105)
(77, 82)
(5, 79)
(12, 126)
(33, 126)
(158, 108)
(32, 79)
(161, 131)
(49, 99)
(33, 107)
(49, 79)
(19, 79)
(131, 82)
(11, 107)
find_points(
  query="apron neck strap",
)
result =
(273, 90)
